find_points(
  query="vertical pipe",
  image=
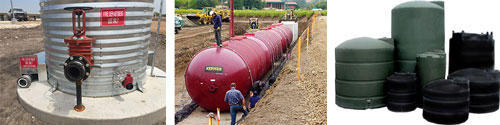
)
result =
(79, 107)
(79, 95)
(156, 41)
(231, 21)
(13, 19)
(298, 62)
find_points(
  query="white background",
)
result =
(349, 19)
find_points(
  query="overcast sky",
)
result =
(33, 6)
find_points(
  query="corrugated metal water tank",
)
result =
(361, 67)
(118, 49)
(417, 27)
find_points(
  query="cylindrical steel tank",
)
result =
(122, 32)
(241, 60)
(361, 67)
(417, 27)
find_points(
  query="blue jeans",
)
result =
(235, 109)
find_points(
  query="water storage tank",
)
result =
(417, 27)
(484, 88)
(361, 67)
(241, 60)
(446, 101)
(401, 92)
(122, 31)
(470, 50)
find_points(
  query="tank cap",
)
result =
(250, 34)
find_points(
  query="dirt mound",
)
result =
(290, 101)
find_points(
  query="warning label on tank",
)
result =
(113, 16)
(216, 69)
(28, 62)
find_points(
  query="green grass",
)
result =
(255, 13)
(323, 13)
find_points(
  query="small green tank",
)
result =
(431, 66)
(362, 64)
(417, 27)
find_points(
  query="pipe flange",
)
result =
(76, 68)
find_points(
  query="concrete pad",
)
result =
(127, 109)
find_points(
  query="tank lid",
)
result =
(418, 4)
(364, 43)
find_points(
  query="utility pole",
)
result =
(13, 19)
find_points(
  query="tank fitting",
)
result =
(24, 81)
(128, 82)
(77, 67)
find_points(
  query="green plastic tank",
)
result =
(417, 27)
(431, 66)
(361, 66)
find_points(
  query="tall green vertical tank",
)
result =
(417, 27)
(361, 66)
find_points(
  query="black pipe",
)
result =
(79, 107)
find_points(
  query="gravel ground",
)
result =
(27, 41)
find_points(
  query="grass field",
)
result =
(255, 13)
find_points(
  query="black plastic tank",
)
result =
(446, 101)
(471, 50)
(401, 92)
(484, 89)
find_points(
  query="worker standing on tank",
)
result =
(236, 102)
(217, 21)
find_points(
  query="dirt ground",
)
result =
(27, 41)
(290, 101)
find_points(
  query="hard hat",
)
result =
(212, 12)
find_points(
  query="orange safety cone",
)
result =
(218, 116)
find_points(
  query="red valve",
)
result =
(128, 82)
(79, 44)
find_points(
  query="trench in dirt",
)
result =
(201, 41)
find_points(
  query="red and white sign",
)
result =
(28, 61)
(113, 16)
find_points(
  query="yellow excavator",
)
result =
(204, 17)
(253, 25)
(289, 16)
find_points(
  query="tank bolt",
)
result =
(80, 58)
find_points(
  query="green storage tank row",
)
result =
(417, 27)
(363, 64)
(361, 67)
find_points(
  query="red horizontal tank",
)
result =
(241, 60)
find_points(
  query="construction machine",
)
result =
(253, 25)
(205, 18)
(289, 16)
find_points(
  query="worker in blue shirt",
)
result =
(217, 21)
(255, 90)
(236, 102)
